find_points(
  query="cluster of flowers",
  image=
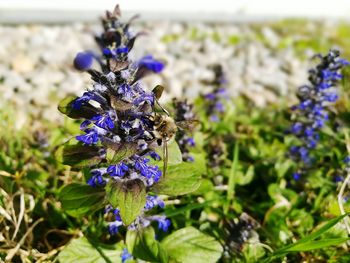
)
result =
(184, 112)
(118, 116)
(216, 151)
(142, 220)
(312, 112)
(215, 106)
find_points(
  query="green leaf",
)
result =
(78, 156)
(243, 179)
(82, 251)
(174, 153)
(206, 186)
(117, 152)
(180, 179)
(79, 199)
(253, 252)
(143, 245)
(86, 111)
(129, 196)
(189, 245)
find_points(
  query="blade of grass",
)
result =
(313, 235)
(231, 180)
(312, 245)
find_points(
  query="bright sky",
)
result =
(309, 8)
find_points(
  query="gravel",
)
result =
(36, 62)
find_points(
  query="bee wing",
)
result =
(158, 91)
(188, 125)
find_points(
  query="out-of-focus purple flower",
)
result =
(153, 201)
(83, 60)
(311, 113)
(184, 113)
(296, 176)
(215, 106)
(150, 63)
(125, 255)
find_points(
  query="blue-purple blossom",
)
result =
(118, 169)
(296, 176)
(347, 160)
(214, 99)
(163, 223)
(91, 137)
(153, 201)
(104, 121)
(117, 118)
(87, 96)
(150, 63)
(311, 113)
(83, 60)
(184, 112)
(97, 178)
(125, 255)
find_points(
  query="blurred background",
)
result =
(264, 46)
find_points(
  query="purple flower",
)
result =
(296, 176)
(103, 121)
(153, 201)
(113, 227)
(126, 91)
(163, 223)
(191, 142)
(97, 178)
(118, 169)
(297, 128)
(141, 165)
(83, 60)
(122, 50)
(125, 255)
(91, 137)
(144, 98)
(347, 160)
(210, 96)
(154, 173)
(118, 115)
(151, 64)
(87, 96)
(311, 114)
(154, 155)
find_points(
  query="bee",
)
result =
(238, 232)
(166, 127)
